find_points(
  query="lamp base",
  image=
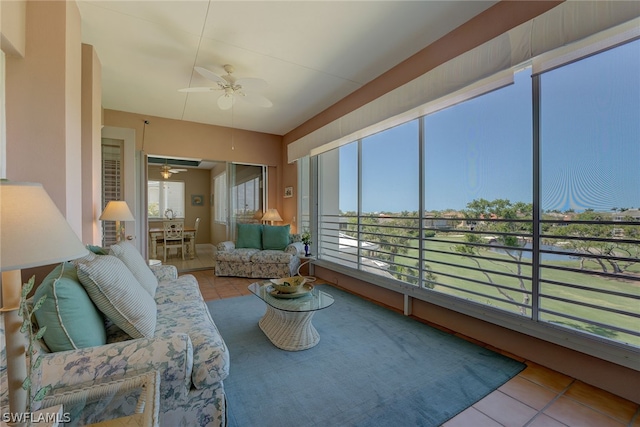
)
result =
(15, 341)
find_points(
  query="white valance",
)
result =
(483, 68)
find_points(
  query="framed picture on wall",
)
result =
(288, 192)
(197, 200)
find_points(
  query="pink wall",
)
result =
(43, 106)
(167, 137)
(91, 145)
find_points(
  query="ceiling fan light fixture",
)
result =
(232, 88)
(165, 174)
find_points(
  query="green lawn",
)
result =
(584, 296)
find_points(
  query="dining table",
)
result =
(156, 235)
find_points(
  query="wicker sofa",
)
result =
(260, 251)
(175, 338)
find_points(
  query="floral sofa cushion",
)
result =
(210, 354)
(184, 288)
(271, 257)
(237, 255)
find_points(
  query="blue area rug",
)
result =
(372, 367)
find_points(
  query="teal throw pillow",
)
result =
(275, 237)
(97, 250)
(71, 318)
(249, 236)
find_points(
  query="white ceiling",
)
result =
(312, 53)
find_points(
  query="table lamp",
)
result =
(271, 215)
(117, 210)
(33, 233)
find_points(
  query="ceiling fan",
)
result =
(167, 170)
(232, 88)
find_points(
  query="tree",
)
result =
(582, 243)
(489, 217)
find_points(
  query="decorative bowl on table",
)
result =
(288, 285)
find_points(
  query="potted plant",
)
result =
(306, 239)
(34, 358)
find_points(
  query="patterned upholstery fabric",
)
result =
(254, 263)
(186, 349)
(210, 354)
(237, 255)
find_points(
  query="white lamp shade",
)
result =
(117, 210)
(33, 232)
(272, 215)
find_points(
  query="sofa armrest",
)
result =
(165, 272)
(295, 248)
(172, 356)
(225, 246)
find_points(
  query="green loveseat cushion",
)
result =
(249, 236)
(275, 237)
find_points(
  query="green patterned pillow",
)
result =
(71, 318)
(118, 295)
(249, 236)
(275, 237)
(128, 254)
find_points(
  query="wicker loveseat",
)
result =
(260, 251)
(167, 329)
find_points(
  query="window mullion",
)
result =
(535, 232)
(359, 216)
(421, 201)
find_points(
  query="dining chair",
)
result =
(173, 237)
(195, 234)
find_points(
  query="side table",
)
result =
(306, 260)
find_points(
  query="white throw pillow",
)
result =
(128, 254)
(118, 295)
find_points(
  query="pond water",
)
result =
(526, 254)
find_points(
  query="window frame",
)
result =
(594, 345)
(162, 204)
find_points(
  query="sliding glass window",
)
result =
(590, 194)
(525, 199)
(478, 198)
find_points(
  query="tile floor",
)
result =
(537, 397)
(202, 260)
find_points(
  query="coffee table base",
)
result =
(291, 331)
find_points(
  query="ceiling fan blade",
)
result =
(198, 89)
(210, 75)
(252, 83)
(177, 170)
(226, 101)
(255, 99)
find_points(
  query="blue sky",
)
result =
(590, 139)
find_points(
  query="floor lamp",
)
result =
(33, 233)
(117, 210)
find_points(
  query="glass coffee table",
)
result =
(287, 321)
